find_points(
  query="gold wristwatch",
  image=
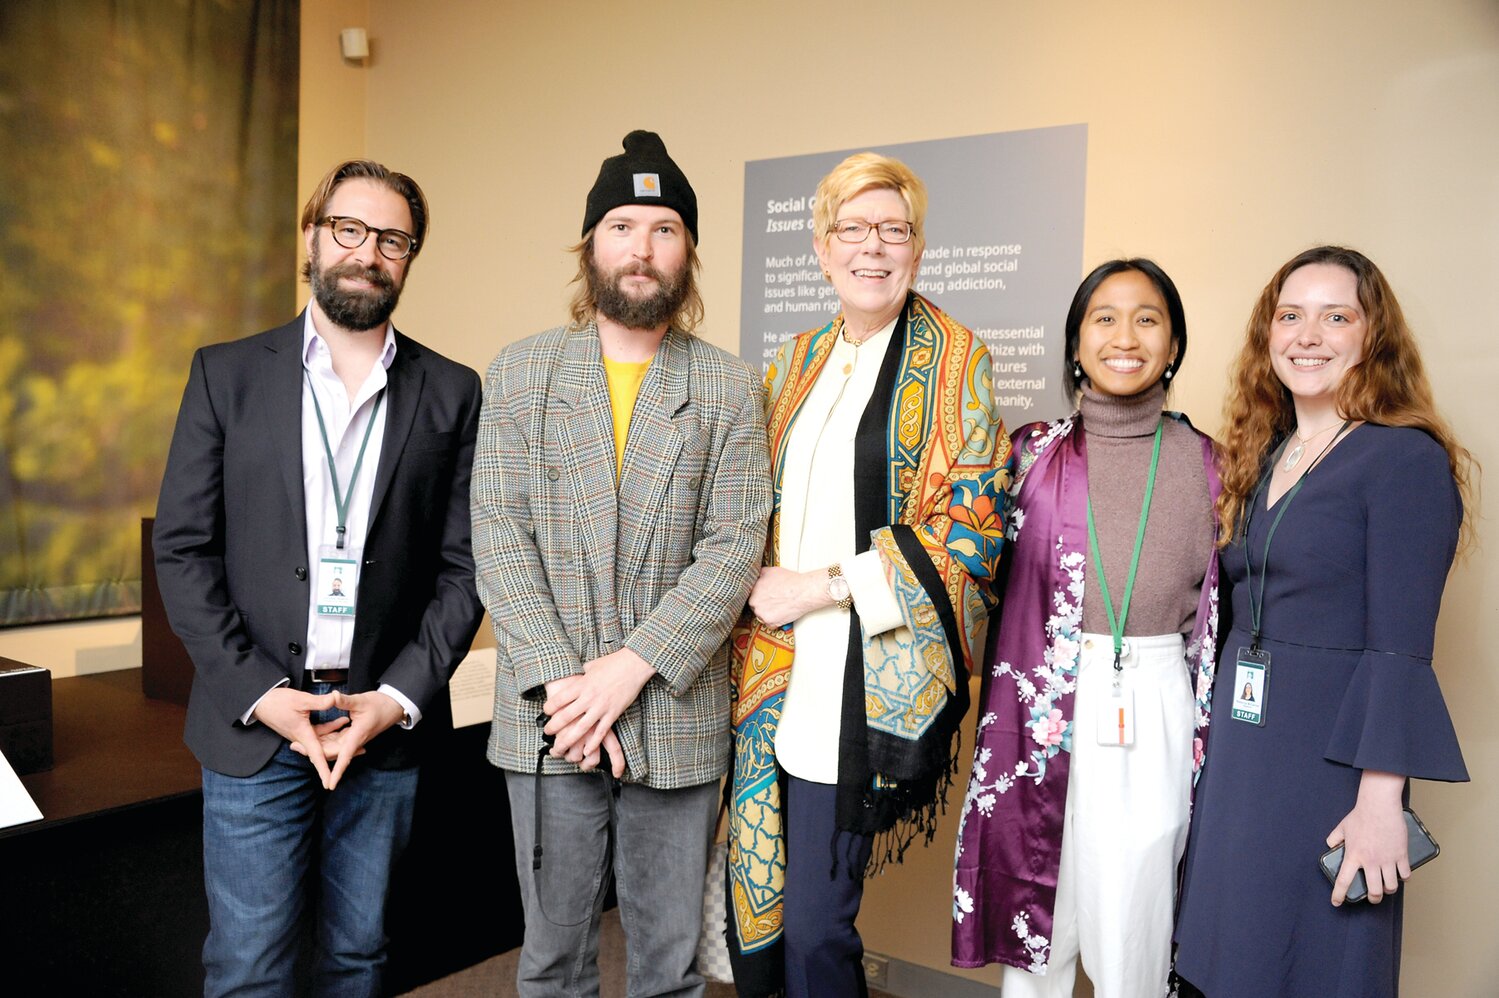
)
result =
(838, 588)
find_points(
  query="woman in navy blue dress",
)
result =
(1342, 500)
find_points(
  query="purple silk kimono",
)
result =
(1010, 830)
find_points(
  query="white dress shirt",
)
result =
(817, 530)
(330, 639)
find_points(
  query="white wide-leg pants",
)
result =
(1125, 829)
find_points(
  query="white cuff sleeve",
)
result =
(248, 717)
(413, 716)
(878, 610)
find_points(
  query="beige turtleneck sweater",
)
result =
(1180, 534)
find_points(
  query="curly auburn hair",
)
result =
(1388, 387)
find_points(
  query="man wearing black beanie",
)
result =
(642, 174)
(620, 494)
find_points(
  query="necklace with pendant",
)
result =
(849, 367)
(1294, 455)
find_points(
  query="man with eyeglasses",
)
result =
(331, 451)
(621, 489)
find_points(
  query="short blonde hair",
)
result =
(869, 171)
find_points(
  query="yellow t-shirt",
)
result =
(624, 380)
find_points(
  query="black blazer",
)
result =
(231, 543)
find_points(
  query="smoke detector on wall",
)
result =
(355, 44)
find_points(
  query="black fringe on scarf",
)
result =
(890, 844)
(889, 787)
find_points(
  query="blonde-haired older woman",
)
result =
(890, 464)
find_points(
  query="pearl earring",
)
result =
(1168, 374)
(1077, 371)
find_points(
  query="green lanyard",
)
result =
(1116, 623)
(1257, 603)
(341, 502)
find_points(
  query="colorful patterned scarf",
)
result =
(931, 465)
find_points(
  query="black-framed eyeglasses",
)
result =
(350, 233)
(856, 230)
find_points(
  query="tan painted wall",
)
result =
(334, 96)
(1223, 138)
(76, 649)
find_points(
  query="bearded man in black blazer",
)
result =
(331, 448)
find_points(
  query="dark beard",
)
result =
(357, 310)
(650, 312)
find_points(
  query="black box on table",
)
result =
(25, 716)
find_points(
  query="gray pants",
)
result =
(660, 847)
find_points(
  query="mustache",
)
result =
(640, 269)
(374, 275)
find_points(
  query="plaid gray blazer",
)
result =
(571, 569)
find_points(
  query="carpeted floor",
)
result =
(495, 978)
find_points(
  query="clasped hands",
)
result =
(288, 712)
(583, 708)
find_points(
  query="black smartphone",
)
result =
(1421, 846)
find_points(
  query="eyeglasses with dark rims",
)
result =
(350, 233)
(856, 230)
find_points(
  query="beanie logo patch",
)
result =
(647, 185)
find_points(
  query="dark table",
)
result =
(104, 895)
(113, 750)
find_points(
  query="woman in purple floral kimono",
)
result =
(1096, 695)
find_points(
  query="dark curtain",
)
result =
(148, 170)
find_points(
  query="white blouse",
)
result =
(817, 530)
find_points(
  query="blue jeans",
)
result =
(660, 845)
(277, 846)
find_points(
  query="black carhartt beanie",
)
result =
(642, 174)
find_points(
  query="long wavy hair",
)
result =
(1388, 387)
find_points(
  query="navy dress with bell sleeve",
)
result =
(1355, 581)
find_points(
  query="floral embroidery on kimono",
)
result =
(1010, 827)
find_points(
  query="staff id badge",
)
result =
(337, 581)
(1116, 717)
(1251, 685)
